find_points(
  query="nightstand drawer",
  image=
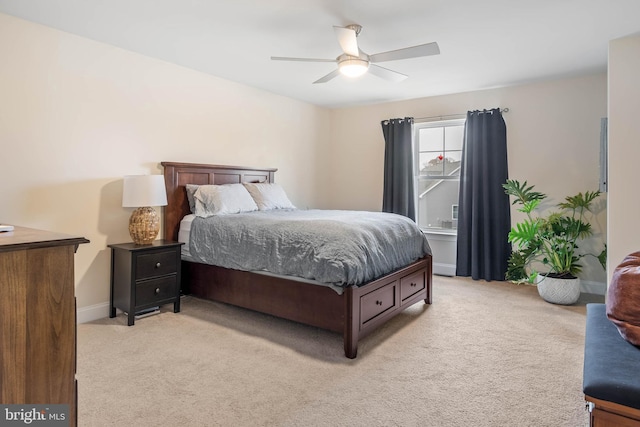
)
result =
(155, 264)
(155, 290)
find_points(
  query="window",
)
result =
(438, 157)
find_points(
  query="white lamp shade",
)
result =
(143, 190)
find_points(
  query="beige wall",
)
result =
(624, 149)
(77, 115)
(553, 134)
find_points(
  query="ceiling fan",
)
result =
(354, 62)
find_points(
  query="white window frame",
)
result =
(416, 155)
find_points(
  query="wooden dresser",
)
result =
(38, 318)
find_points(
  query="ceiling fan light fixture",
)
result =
(353, 62)
(353, 67)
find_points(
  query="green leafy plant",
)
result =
(550, 240)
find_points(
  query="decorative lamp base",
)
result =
(144, 225)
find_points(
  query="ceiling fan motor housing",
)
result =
(355, 27)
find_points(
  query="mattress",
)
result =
(183, 236)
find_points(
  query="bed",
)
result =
(354, 313)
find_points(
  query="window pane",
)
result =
(452, 163)
(453, 137)
(432, 164)
(431, 139)
(437, 202)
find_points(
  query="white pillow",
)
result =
(222, 199)
(269, 196)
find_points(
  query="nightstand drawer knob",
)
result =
(157, 265)
(157, 291)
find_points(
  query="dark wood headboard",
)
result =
(177, 175)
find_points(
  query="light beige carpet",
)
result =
(483, 354)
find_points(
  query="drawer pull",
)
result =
(413, 284)
(157, 265)
(157, 291)
(378, 302)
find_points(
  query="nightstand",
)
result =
(144, 276)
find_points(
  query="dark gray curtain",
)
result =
(398, 195)
(484, 217)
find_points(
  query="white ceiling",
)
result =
(483, 43)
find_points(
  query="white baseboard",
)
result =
(586, 286)
(444, 269)
(590, 287)
(92, 312)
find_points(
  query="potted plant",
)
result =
(550, 241)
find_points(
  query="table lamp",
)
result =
(143, 192)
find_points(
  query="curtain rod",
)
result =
(451, 116)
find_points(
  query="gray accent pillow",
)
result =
(191, 189)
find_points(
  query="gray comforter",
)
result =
(337, 248)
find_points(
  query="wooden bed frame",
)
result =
(354, 314)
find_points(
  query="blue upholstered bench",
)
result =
(611, 379)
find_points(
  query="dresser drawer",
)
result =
(378, 302)
(155, 264)
(412, 284)
(156, 290)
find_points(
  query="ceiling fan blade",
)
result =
(328, 77)
(285, 58)
(406, 53)
(386, 74)
(347, 40)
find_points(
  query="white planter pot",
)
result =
(559, 291)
